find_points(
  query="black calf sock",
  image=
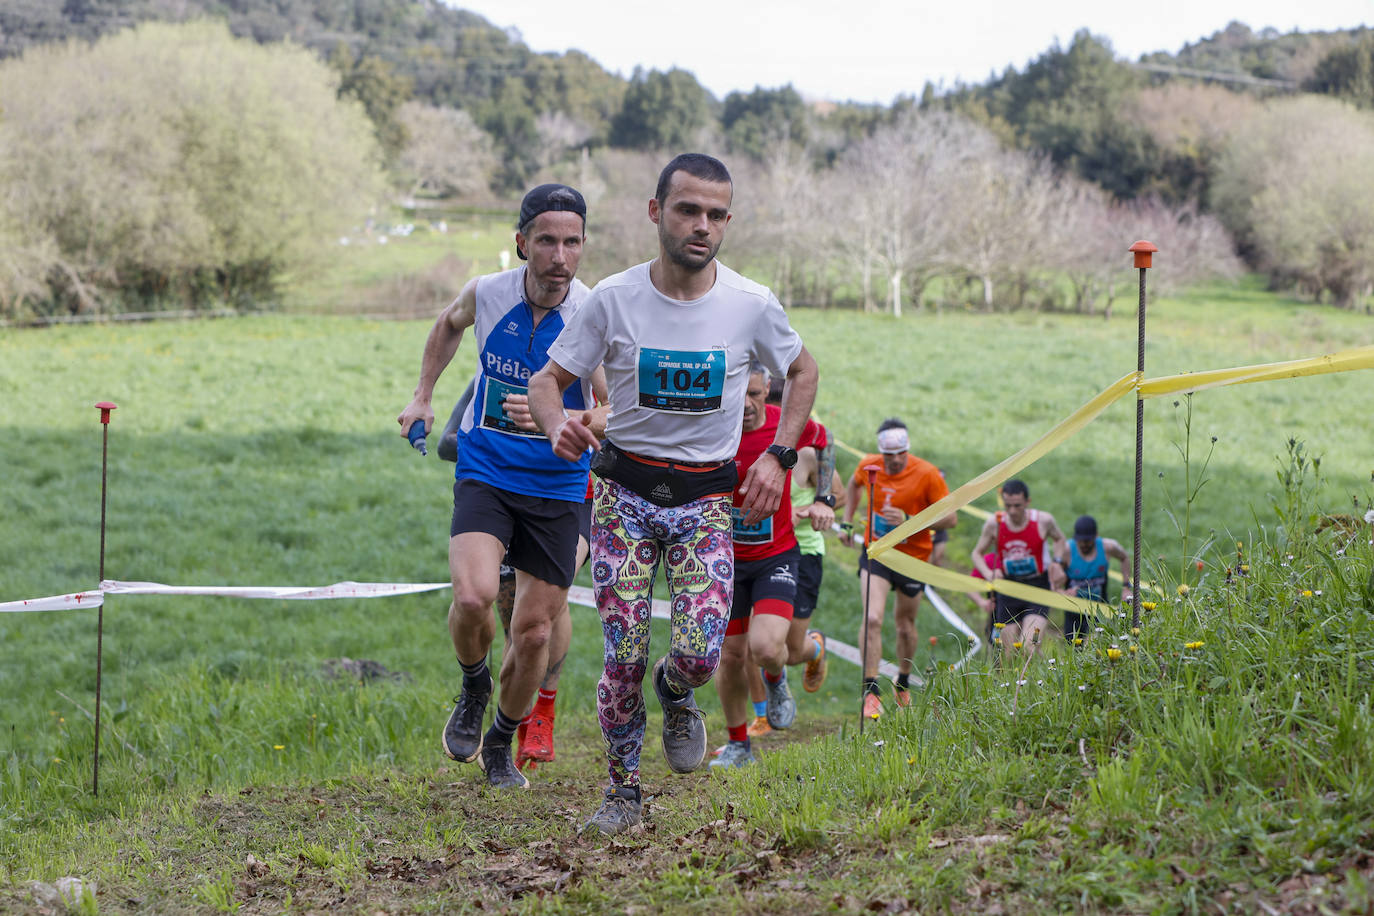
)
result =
(476, 677)
(502, 729)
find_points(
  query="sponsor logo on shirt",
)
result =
(501, 367)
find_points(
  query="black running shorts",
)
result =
(540, 534)
(908, 586)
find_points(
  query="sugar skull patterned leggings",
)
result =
(629, 537)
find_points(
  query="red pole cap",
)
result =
(1142, 251)
(872, 470)
(105, 407)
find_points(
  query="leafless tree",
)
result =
(1297, 185)
(447, 154)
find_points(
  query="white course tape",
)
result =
(974, 643)
(577, 594)
(70, 602)
(662, 610)
(286, 592)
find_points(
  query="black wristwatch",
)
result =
(787, 457)
(828, 499)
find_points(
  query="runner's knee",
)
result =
(692, 670)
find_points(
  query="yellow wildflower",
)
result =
(1183, 590)
(1148, 605)
(1016, 645)
(1078, 640)
(1307, 593)
(1114, 653)
(1135, 631)
(1134, 648)
(998, 626)
(1193, 645)
(279, 747)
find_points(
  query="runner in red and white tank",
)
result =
(766, 565)
(1022, 537)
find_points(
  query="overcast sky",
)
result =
(874, 50)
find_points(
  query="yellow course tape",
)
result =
(1344, 361)
(885, 547)
(1008, 468)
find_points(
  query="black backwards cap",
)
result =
(1085, 527)
(548, 197)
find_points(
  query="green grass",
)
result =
(264, 451)
(357, 277)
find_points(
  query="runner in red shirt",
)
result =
(766, 561)
(1021, 536)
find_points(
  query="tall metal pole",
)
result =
(863, 652)
(104, 407)
(1142, 251)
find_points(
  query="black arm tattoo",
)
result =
(825, 470)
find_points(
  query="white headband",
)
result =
(893, 440)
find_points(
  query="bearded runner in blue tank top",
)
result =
(512, 496)
(1086, 563)
(676, 337)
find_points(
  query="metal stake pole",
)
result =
(1142, 251)
(863, 652)
(104, 407)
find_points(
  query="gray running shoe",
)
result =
(684, 728)
(782, 709)
(462, 737)
(500, 768)
(736, 754)
(619, 812)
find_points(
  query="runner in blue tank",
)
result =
(1085, 562)
(512, 496)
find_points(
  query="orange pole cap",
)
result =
(1142, 251)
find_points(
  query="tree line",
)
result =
(1078, 143)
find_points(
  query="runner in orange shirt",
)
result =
(904, 486)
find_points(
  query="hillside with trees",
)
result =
(1078, 146)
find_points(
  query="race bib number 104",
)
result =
(682, 381)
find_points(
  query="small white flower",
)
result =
(1082, 687)
(1369, 517)
(1100, 630)
(1053, 660)
(879, 743)
(1022, 683)
(1317, 592)
(1040, 683)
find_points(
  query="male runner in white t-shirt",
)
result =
(676, 337)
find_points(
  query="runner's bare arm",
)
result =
(570, 436)
(761, 492)
(601, 413)
(841, 492)
(1113, 549)
(851, 505)
(442, 343)
(1051, 530)
(517, 407)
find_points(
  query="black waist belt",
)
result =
(662, 481)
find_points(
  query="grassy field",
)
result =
(264, 451)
